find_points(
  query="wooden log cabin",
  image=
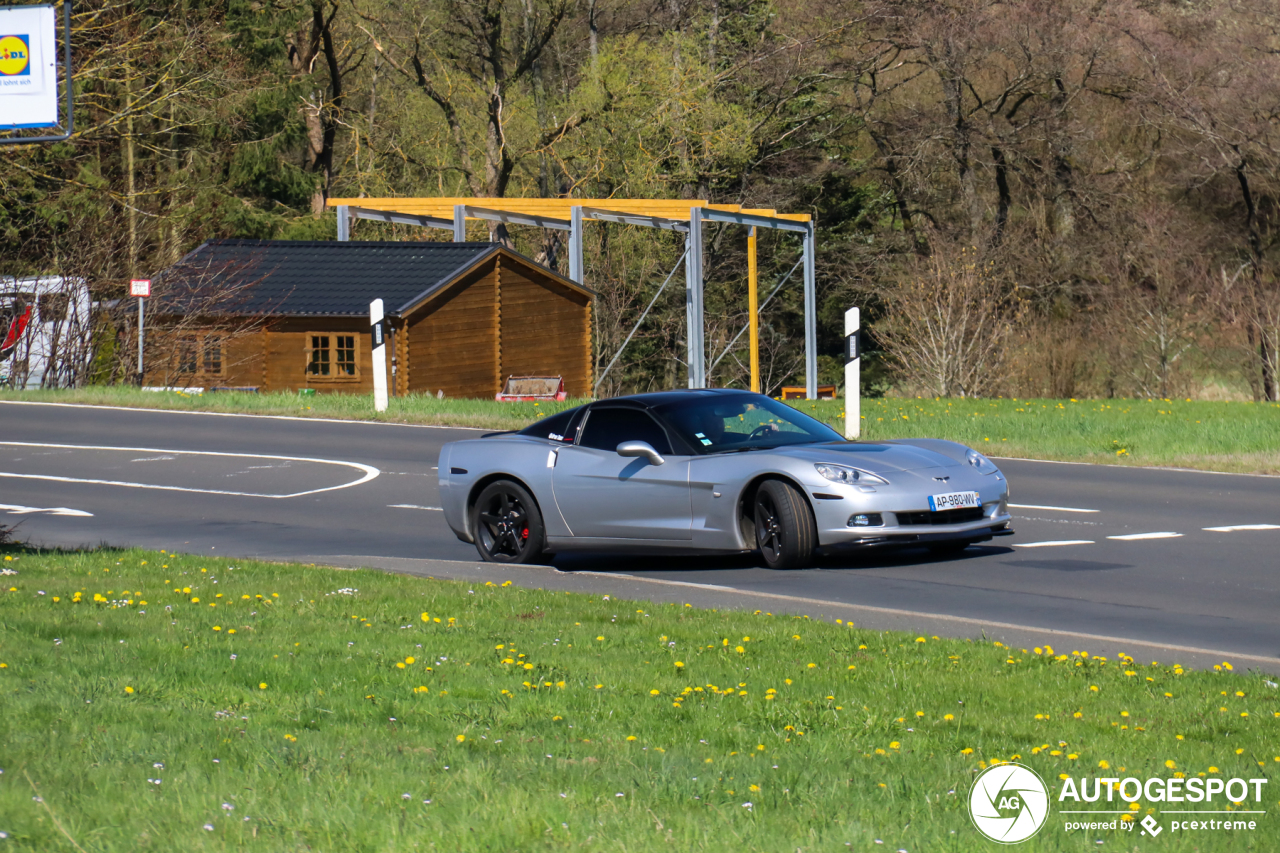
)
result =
(278, 315)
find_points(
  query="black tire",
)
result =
(948, 549)
(507, 524)
(785, 531)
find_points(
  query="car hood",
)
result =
(876, 458)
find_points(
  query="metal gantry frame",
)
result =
(571, 215)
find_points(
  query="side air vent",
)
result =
(457, 470)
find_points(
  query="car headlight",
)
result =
(982, 463)
(847, 475)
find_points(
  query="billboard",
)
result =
(28, 68)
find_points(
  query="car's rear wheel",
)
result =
(785, 531)
(507, 524)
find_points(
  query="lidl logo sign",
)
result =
(15, 56)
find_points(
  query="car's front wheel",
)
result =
(507, 524)
(785, 531)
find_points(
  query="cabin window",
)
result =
(200, 353)
(212, 355)
(331, 356)
(188, 345)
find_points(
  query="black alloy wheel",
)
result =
(507, 524)
(785, 531)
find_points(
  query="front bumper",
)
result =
(976, 531)
(834, 508)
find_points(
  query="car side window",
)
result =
(562, 427)
(606, 428)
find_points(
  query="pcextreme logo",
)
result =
(15, 56)
(1009, 803)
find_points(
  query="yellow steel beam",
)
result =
(443, 207)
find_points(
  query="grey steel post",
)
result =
(459, 223)
(575, 244)
(810, 315)
(344, 224)
(140, 301)
(693, 302)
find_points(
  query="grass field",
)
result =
(161, 702)
(1216, 436)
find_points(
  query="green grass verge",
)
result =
(184, 703)
(1214, 436)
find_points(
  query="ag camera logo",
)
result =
(1009, 803)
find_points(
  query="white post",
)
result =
(141, 288)
(852, 379)
(377, 332)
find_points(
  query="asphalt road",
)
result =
(1105, 558)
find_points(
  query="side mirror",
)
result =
(640, 448)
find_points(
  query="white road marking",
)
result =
(1053, 543)
(235, 415)
(1231, 528)
(1123, 641)
(1132, 537)
(154, 459)
(14, 509)
(369, 471)
(1101, 465)
(415, 506)
(1052, 508)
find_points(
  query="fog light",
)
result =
(869, 519)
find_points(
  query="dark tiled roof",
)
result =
(312, 277)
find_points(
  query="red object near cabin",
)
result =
(13, 334)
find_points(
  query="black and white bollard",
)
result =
(852, 378)
(378, 339)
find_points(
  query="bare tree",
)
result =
(951, 318)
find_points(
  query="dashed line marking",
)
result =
(15, 509)
(1132, 537)
(1231, 528)
(1053, 543)
(415, 506)
(1052, 508)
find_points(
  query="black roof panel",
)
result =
(315, 277)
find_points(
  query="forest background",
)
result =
(1049, 198)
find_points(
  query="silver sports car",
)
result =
(712, 471)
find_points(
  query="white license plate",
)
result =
(953, 500)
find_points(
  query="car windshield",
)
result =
(746, 422)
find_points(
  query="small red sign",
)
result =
(140, 287)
